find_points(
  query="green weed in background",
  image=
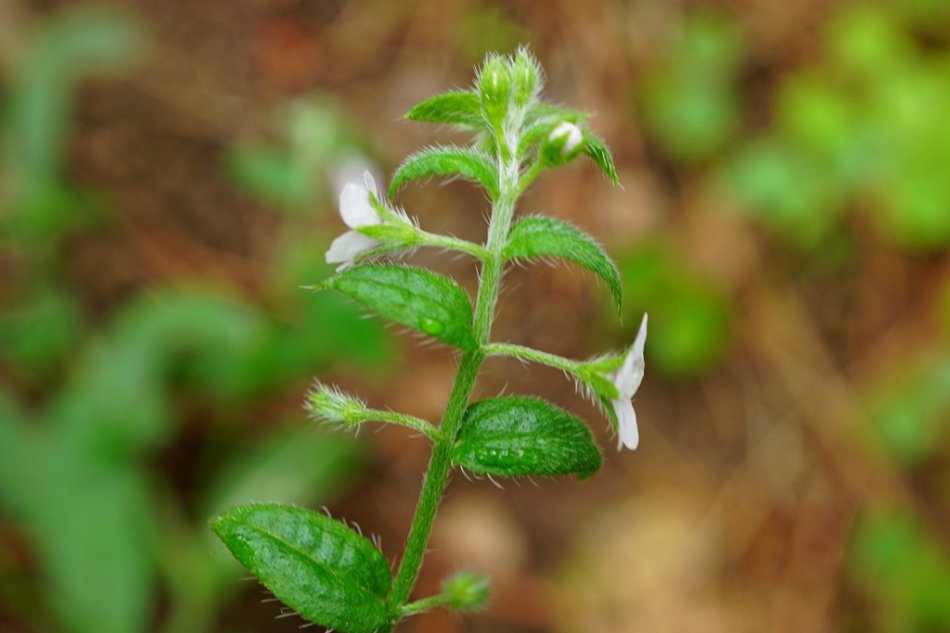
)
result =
(909, 410)
(691, 326)
(108, 531)
(688, 99)
(864, 128)
(906, 568)
(41, 322)
(861, 129)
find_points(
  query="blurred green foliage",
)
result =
(80, 477)
(86, 42)
(862, 128)
(910, 410)
(688, 99)
(312, 139)
(906, 568)
(689, 317)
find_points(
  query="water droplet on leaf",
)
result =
(431, 326)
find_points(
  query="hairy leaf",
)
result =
(447, 161)
(317, 566)
(519, 436)
(460, 108)
(540, 236)
(423, 300)
(597, 150)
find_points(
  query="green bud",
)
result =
(526, 77)
(494, 88)
(466, 591)
(329, 404)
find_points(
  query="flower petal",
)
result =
(630, 375)
(571, 134)
(627, 433)
(347, 246)
(356, 209)
(641, 339)
(370, 183)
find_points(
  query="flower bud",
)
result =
(494, 88)
(466, 591)
(526, 78)
(563, 143)
(329, 404)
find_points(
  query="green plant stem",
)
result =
(521, 352)
(440, 463)
(408, 421)
(424, 605)
(434, 482)
(452, 244)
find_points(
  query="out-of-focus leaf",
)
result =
(911, 410)
(791, 193)
(865, 41)
(271, 176)
(319, 567)
(689, 100)
(905, 569)
(92, 528)
(423, 300)
(14, 453)
(290, 467)
(40, 331)
(78, 42)
(815, 116)
(447, 161)
(541, 236)
(689, 317)
(520, 436)
(910, 193)
(115, 400)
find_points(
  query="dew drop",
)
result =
(431, 326)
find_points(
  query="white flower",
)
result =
(571, 135)
(627, 380)
(357, 210)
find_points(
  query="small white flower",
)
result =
(570, 133)
(357, 210)
(627, 380)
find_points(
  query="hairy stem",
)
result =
(440, 463)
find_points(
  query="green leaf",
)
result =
(317, 566)
(519, 436)
(540, 236)
(447, 161)
(597, 150)
(460, 108)
(423, 300)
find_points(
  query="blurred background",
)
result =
(168, 179)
